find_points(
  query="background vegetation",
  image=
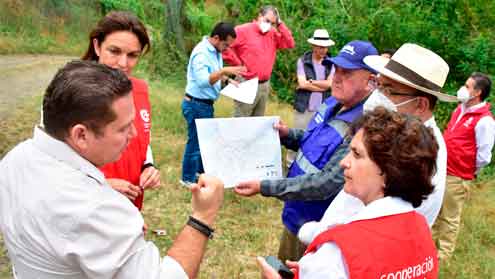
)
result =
(458, 30)
(461, 31)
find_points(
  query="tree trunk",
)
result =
(174, 33)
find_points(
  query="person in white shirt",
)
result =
(388, 170)
(58, 215)
(469, 137)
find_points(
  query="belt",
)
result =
(262, 81)
(204, 101)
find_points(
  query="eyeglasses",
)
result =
(388, 91)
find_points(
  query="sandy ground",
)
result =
(25, 75)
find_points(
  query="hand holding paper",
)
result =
(244, 92)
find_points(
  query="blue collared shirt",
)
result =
(204, 60)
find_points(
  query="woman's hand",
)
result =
(267, 272)
(150, 178)
(125, 187)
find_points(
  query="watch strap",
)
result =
(201, 227)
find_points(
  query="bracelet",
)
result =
(201, 227)
(147, 165)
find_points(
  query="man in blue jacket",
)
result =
(315, 174)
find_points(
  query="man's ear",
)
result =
(96, 46)
(372, 83)
(216, 39)
(423, 105)
(477, 93)
(78, 137)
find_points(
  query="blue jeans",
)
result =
(191, 163)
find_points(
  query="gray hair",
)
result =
(269, 8)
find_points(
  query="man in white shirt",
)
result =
(469, 138)
(59, 217)
(412, 79)
(405, 85)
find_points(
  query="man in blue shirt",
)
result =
(205, 72)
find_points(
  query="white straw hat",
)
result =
(321, 38)
(414, 66)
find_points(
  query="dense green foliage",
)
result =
(459, 31)
(46, 26)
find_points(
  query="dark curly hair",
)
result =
(113, 22)
(404, 150)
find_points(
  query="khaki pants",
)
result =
(301, 121)
(290, 247)
(259, 105)
(447, 225)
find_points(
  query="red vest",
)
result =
(460, 140)
(394, 246)
(129, 165)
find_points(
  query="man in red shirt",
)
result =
(256, 47)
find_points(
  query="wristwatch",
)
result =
(201, 227)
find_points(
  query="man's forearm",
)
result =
(215, 76)
(293, 139)
(322, 85)
(188, 250)
(314, 186)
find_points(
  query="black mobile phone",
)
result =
(281, 268)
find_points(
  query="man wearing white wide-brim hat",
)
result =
(411, 82)
(314, 78)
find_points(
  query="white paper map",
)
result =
(244, 92)
(240, 149)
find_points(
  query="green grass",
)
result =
(247, 227)
(45, 26)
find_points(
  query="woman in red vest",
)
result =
(118, 41)
(389, 168)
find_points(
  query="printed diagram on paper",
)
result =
(240, 149)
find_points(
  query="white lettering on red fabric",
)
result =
(414, 271)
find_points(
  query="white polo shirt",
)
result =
(60, 219)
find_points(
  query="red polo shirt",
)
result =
(257, 51)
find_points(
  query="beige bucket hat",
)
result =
(414, 66)
(321, 38)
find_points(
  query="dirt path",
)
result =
(25, 75)
(22, 76)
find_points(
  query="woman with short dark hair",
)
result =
(388, 169)
(118, 41)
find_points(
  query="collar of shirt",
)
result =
(464, 109)
(209, 46)
(214, 52)
(64, 153)
(430, 123)
(383, 207)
